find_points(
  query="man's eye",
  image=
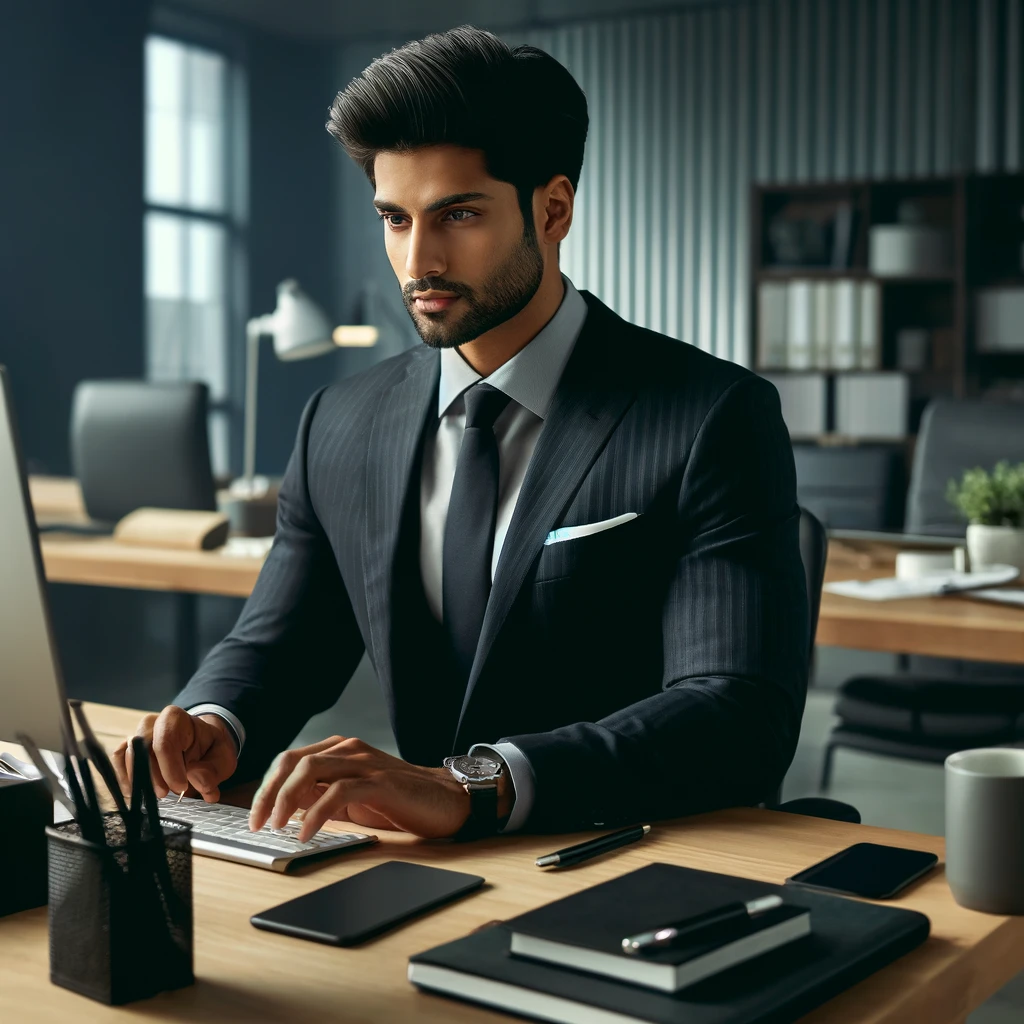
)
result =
(459, 215)
(393, 220)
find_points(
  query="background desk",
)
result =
(244, 975)
(102, 562)
(942, 627)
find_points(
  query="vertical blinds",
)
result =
(688, 109)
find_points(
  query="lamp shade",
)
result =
(301, 329)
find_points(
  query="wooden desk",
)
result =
(943, 627)
(102, 562)
(245, 975)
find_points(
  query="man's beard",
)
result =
(507, 292)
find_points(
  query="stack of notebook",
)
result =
(564, 961)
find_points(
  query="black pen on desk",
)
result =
(692, 928)
(593, 847)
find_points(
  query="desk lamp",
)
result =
(300, 330)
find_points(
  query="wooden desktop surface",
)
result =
(941, 627)
(103, 562)
(245, 975)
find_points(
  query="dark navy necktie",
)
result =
(469, 528)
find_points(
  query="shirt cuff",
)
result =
(521, 772)
(234, 724)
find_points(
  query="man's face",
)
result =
(457, 242)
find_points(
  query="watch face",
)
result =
(475, 767)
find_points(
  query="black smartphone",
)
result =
(367, 903)
(867, 869)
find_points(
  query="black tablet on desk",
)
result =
(367, 903)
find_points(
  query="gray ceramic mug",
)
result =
(985, 829)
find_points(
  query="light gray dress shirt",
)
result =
(529, 378)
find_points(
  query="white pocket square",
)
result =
(572, 532)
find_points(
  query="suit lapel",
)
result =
(395, 442)
(590, 400)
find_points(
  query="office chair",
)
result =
(137, 444)
(813, 554)
(936, 706)
(140, 444)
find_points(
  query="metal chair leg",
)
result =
(826, 768)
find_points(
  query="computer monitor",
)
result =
(32, 698)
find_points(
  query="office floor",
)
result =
(886, 791)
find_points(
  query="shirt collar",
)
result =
(531, 375)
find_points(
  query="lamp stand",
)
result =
(254, 331)
(251, 504)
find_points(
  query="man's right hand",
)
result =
(184, 750)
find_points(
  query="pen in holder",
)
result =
(120, 913)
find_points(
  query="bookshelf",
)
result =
(824, 253)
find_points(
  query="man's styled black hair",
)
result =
(465, 87)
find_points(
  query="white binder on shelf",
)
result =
(870, 348)
(873, 405)
(846, 324)
(800, 325)
(771, 325)
(824, 320)
(803, 399)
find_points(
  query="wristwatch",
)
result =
(479, 777)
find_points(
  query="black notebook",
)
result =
(585, 931)
(850, 940)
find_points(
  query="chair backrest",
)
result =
(136, 444)
(954, 436)
(813, 553)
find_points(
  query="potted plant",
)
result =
(993, 504)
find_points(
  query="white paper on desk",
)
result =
(247, 547)
(931, 585)
(29, 771)
(1012, 597)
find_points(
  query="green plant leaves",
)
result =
(990, 499)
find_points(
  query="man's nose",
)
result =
(425, 256)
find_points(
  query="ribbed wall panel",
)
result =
(687, 109)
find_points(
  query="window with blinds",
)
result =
(194, 242)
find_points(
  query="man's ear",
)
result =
(553, 206)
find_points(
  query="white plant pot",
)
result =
(995, 545)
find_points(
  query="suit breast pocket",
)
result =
(597, 555)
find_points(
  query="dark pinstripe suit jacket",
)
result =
(654, 669)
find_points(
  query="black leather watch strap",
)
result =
(483, 813)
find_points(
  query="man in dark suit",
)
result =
(568, 544)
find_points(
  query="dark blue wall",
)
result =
(71, 78)
(291, 203)
(358, 238)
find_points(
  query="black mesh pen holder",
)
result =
(120, 915)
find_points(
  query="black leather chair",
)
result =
(141, 443)
(935, 706)
(813, 553)
(137, 443)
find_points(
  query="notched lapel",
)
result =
(589, 402)
(395, 440)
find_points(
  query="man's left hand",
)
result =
(347, 779)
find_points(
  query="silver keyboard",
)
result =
(221, 830)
